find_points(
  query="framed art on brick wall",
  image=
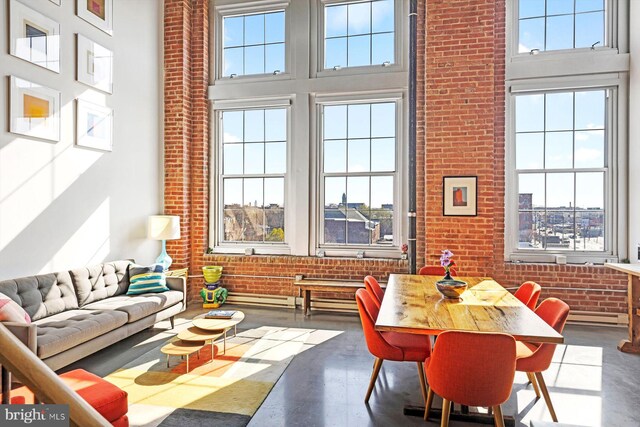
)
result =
(460, 195)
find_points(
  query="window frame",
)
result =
(227, 8)
(300, 88)
(573, 70)
(615, 155)
(318, 43)
(612, 10)
(399, 199)
(216, 207)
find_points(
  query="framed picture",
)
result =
(460, 195)
(34, 37)
(34, 109)
(94, 126)
(97, 12)
(95, 64)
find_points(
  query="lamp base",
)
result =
(164, 259)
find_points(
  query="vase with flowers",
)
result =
(448, 286)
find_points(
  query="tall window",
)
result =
(560, 24)
(566, 131)
(253, 44)
(254, 163)
(561, 163)
(359, 165)
(359, 34)
(308, 162)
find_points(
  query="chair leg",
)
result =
(545, 393)
(446, 409)
(427, 406)
(374, 376)
(423, 381)
(497, 416)
(534, 383)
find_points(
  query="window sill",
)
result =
(556, 258)
(257, 250)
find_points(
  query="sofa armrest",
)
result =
(27, 334)
(178, 284)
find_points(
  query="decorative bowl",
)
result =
(451, 288)
(212, 273)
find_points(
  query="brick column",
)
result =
(200, 138)
(460, 130)
(177, 122)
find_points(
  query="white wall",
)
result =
(62, 206)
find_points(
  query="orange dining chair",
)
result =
(435, 270)
(394, 346)
(536, 358)
(374, 289)
(472, 369)
(528, 293)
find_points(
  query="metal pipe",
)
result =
(413, 62)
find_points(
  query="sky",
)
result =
(561, 131)
(562, 25)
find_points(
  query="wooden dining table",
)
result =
(412, 304)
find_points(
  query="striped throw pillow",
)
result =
(145, 280)
(10, 311)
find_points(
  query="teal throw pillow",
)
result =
(144, 280)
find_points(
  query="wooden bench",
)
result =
(325, 285)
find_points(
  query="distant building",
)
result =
(525, 219)
(340, 221)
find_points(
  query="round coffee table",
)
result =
(195, 334)
(219, 325)
(182, 348)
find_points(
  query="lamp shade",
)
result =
(163, 227)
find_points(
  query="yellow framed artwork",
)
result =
(34, 109)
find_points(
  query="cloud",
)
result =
(587, 154)
(228, 137)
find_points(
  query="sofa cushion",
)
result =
(109, 400)
(65, 330)
(138, 306)
(98, 282)
(145, 280)
(43, 295)
(10, 311)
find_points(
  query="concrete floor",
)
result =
(590, 381)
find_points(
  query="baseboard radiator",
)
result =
(349, 306)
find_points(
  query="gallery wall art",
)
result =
(94, 64)
(34, 37)
(34, 109)
(94, 126)
(97, 12)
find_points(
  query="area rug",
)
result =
(224, 392)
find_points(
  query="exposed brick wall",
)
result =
(460, 130)
(178, 122)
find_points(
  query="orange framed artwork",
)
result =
(34, 110)
(460, 195)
